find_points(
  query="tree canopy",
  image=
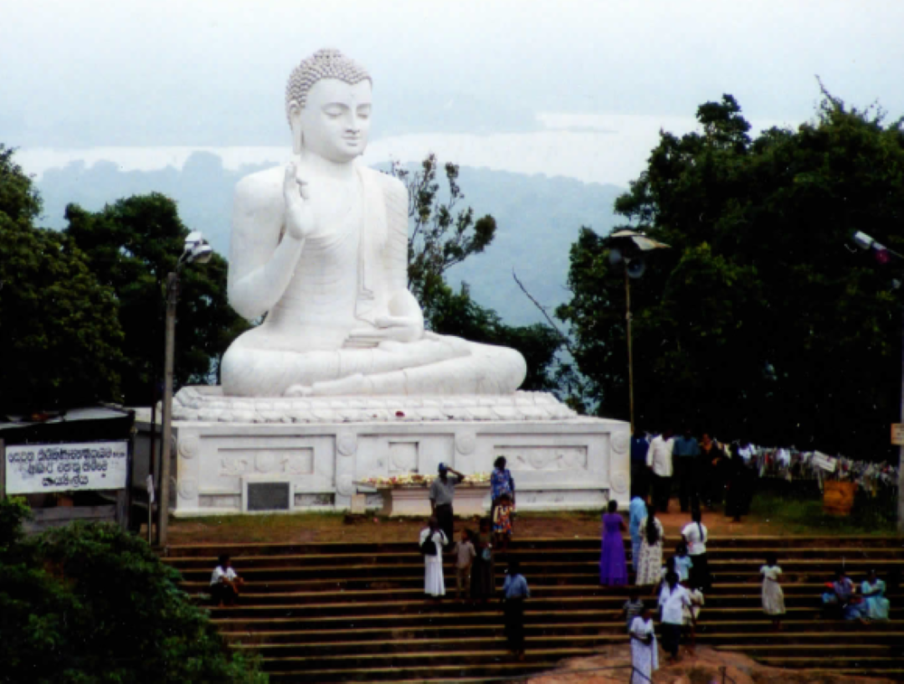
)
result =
(758, 322)
(60, 335)
(131, 246)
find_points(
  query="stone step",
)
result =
(495, 640)
(566, 555)
(487, 624)
(356, 612)
(775, 543)
(287, 609)
(725, 583)
(414, 659)
(252, 621)
(268, 593)
(498, 671)
(794, 595)
(876, 658)
(796, 570)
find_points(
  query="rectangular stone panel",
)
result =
(402, 457)
(269, 496)
(543, 457)
(233, 501)
(313, 500)
(284, 460)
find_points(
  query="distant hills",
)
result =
(538, 218)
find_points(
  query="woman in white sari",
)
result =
(644, 650)
(649, 568)
(432, 541)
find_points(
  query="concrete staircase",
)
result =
(338, 612)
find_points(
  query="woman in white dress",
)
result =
(432, 542)
(650, 566)
(773, 596)
(696, 535)
(644, 651)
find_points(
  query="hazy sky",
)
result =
(487, 79)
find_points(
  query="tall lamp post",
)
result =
(883, 254)
(197, 250)
(627, 247)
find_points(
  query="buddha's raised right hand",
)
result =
(299, 215)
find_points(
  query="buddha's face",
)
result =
(335, 120)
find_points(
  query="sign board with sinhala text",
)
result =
(40, 468)
(824, 461)
(897, 434)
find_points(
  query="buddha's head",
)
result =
(328, 103)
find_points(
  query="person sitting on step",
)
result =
(873, 590)
(840, 601)
(224, 583)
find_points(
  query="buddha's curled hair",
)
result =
(326, 63)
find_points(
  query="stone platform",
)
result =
(317, 448)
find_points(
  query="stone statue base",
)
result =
(315, 451)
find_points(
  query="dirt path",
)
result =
(703, 668)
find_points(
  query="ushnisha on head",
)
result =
(326, 63)
(328, 95)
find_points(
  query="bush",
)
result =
(88, 603)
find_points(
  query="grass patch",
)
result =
(800, 513)
(266, 520)
(288, 527)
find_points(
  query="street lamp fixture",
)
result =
(628, 247)
(883, 255)
(196, 250)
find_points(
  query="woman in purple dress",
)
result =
(501, 483)
(613, 569)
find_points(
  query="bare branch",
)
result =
(565, 340)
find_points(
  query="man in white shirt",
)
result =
(673, 598)
(659, 460)
(224, 582)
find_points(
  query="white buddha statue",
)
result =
(320, 245)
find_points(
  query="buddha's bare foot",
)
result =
(299, 391)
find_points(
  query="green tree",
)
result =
(444, 234)
(758, 322)
(132, 245)
(59, 333)
(87, 604)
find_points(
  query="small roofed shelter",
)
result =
(69, 465)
